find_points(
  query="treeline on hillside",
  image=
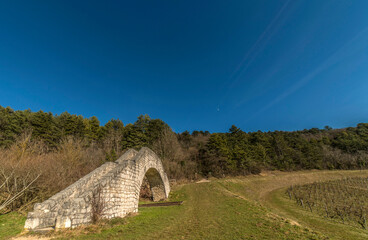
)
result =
(239, 152)
(42, 153)
(187, 154)
(52, 131)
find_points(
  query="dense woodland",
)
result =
(234, 152)
(41, 148)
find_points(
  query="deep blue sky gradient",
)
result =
(197, 65)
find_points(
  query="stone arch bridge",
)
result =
(118, 184)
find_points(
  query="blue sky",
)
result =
(197, 65)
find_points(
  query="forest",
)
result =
(41, 153)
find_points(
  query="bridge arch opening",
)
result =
(152, 186)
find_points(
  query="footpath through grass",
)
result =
(209, 211)
(270, 191)
(253, 207)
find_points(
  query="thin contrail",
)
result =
(241, 68)
(248, 58)
(331, 60)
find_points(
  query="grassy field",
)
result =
(253, 207)
(270, 192)
(11, 224)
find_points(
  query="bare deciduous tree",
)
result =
(98, 204)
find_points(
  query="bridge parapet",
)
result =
(119, 184)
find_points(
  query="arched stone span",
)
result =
(155, 182)
(118, 185)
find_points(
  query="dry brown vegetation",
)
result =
(30, 173)
(98, 205)
(178, 163)
(345, 199)
(145, 193)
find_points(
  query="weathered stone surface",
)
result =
(118, 185)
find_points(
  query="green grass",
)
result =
(208, 212)
(11, 224)
(269, 191)
(331, 228)
(253, 207)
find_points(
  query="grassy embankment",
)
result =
(253, 207)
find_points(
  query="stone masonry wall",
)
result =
(119, 185)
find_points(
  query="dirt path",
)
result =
(268, 190)
(31, 238)
(260, 186)
(234, 208)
